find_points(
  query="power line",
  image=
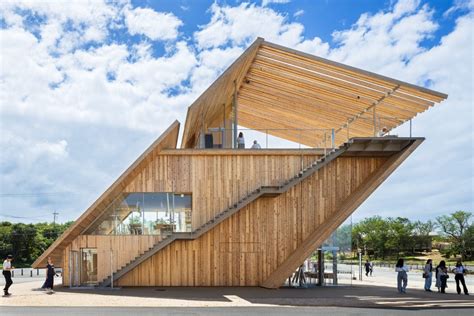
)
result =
(23, 217)
(36, 193)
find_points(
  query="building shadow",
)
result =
(360, 296)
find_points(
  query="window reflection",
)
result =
(146, 214)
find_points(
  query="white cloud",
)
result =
(154, 25)
(267, 2)
(298, 13)
(241, 25)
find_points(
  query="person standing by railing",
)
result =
(7, 274)
(428, 274)
(256, 145)
(240, 141)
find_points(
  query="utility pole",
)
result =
(55, 214)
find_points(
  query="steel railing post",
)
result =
(333, 138)
(266, 138)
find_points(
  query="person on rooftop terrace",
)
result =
(256, 145)
(241, 141)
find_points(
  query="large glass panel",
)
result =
(337, 252)
(158, 213)
(154, 213)
(88, 266)
(182, 213)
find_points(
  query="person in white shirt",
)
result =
(402, 276)
(7, 274)
(241, 141)
(256, 145)
(428, 275)
(382, 132)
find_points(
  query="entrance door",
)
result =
(74, 269)
(88, 266)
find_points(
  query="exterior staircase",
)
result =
(263, 191)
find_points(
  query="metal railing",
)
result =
(300, 137)
(323, 138)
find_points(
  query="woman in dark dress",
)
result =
(50, 273)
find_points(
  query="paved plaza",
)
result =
(370, 297)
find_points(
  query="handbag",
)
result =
(425, 275)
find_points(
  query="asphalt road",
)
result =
(248, 311)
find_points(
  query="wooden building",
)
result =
(222, 216)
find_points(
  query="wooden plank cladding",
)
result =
(218, 178)
(113, 252)
(246, 248)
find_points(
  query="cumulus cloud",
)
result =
(240, 25)
(154, 25)
(267, 2)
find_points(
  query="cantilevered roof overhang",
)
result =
(288, 92)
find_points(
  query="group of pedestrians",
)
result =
(441, 276)
(7, 274)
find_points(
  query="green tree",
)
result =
(371, 234)
(457, 227)
(400, 233)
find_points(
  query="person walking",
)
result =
(428, 274)
(367, 267)
(459, 272)
(371, 268)
(402, 276)
(442, 276)
(241, 141)
(50, 274)
(7, 274)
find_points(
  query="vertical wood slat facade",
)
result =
(217, 180)
(246, 248)
(122, 248)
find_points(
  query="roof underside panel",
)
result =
(301, 98)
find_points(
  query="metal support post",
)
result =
(299, 141)
(348, 135)
(375, 122)
(360, 265)
(234, 105)
(410, 127)
(266, 138)
(325, 143)
(320, 267)
(333, 138)
(111, 270)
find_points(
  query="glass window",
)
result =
(88, 266)
(157, 213)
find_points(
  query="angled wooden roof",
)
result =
(167, 140)
(297, 94)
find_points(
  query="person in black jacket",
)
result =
(50, 274)
(7, 274)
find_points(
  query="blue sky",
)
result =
(86, 86)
